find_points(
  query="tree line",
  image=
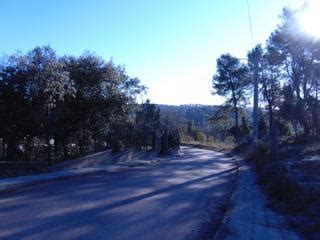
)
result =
(288, 72)
(191, 120)
(52, 107)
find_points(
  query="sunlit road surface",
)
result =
(175, 199)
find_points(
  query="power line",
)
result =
(250, 22)
(255, 91)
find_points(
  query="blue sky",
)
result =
(171, 45)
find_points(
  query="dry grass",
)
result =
(217, 146)
(300, 203)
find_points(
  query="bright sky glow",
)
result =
(171, 45)
(310, 18)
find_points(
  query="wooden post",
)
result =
(49, 135)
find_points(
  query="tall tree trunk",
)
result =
(271, 125)
(236, 117)
(49, 135)
(303, 114)
(65, 148)
(145, 138)
(164, 144)
(11, 149)
(315, 114)
(273, 135)
(275, 142)
(56, 146)
(28, 150)
(271, 121)
(306, 127)
(295, 128)
(315, 120)
(255, 114)
(81, 137)
(157, 143)
(4, 149)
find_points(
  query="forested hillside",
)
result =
(204, 123)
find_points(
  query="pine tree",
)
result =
(231, 81)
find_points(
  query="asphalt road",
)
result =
(178, 198)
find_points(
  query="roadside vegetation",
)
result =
(54, 108)
(202, 125)
(287, 159)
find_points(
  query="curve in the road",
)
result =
(181, 198)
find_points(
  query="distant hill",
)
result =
(197, 114)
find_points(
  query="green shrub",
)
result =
(174, 139)
(200, 137)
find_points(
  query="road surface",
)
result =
(178, 198)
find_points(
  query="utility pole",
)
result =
(255, 115)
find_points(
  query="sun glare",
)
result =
(310, 18)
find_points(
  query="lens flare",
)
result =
(309, 18)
